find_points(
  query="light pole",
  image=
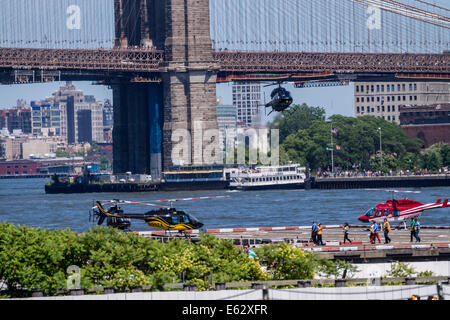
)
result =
(381, 150)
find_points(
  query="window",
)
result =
(403, 87)
(393, 108)
(357, 109)
(410, 87)
(378, 88)
(370, 213)
(357, 88)
(389, 109)
(357, 99)
(362, 99)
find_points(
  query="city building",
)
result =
(108, 114)
(247, 100)
(430, 123)
(383, 99)
(69, 114)
(227, 122)
(16, 119)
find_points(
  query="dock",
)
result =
(434, 244)
(405, 181)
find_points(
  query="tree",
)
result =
(296, 118)
(305, 137)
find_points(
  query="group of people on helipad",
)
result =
(317, 232)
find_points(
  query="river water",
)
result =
(24, 202)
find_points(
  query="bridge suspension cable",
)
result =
(409, 11)
(330, 26)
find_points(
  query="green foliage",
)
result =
(298, 117)
(34, 258)
(337, 269)
(401, 270)
(39, 259)
(287, 262)
(305, 136)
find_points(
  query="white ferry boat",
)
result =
(291, 176)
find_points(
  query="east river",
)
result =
(24, 202)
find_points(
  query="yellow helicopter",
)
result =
(165, 217)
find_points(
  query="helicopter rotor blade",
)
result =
(390, 190)
(144, 203)
(193, 198)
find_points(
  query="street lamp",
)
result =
(381, 150)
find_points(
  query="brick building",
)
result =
(430, 123)
(19, 168)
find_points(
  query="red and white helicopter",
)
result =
(399, 210)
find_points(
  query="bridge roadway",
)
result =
(434, 245)
(142, 64)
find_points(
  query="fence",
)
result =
(323, 289)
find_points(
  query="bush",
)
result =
(40, 259)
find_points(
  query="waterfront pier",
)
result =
(434, 245)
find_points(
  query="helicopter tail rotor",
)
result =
(98, 212)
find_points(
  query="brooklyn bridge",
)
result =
(163, 58)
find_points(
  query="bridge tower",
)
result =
(151, 119)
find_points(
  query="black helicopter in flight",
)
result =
(165, 218)
(281, 99)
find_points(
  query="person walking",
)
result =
(412, 228)
(386, 230)
(346, 230)
(319, 234)
(374, 232)
(314, 230)
(417, 229)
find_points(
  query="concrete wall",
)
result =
(403, 292)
